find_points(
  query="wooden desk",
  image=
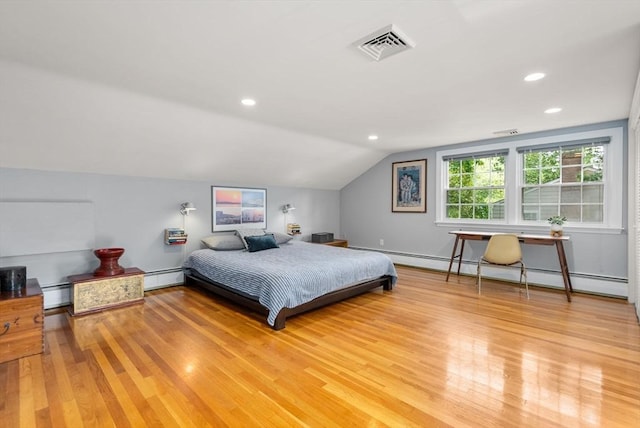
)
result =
(462, 236)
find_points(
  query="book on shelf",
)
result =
(175, 236)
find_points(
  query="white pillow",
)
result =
(281, 238)
(224, 242)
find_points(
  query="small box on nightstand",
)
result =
(322, 237)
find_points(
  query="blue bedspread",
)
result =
(291, 275)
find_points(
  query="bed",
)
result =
(291, 279)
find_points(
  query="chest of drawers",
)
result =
(21, 322)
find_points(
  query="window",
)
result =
(564, 179)
(475, 186)
(519, 183)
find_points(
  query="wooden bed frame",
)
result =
(333, 297)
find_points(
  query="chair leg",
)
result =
(479, 277)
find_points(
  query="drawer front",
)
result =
(21, 327)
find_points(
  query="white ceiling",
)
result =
(318, 97)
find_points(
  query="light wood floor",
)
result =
(427, 354)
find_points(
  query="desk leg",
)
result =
(460, 255)
(453, 256)
(568, 288)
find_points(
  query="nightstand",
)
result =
(21, 322)
(337, 243)
(95, 293)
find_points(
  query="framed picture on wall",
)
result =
(409, 191)
(235, 208)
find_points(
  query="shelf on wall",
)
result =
(175, 236)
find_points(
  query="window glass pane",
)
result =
(453, 211)
(591, 174)
(454, 167)
(570, 194)
(467, 180)
(531, 160)
(550, 158)
(532, 176)
(481, 211)
(549, 175)
(481, 196)
(572, 174)
(592, 213)
(547, 211)
(530, 212)
(497, 211)
(530, 194)
(593, 193)
(482, 179)
(549, 195)
(453, 196)
(571, 156)
(497, 178)
(571, 212)
(466, 211)
(467, 165)
(466, 196)
(454, 181)
(497, 195)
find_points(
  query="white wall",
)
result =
(132, 212)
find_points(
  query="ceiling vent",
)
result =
(506, 132)
(385, 42)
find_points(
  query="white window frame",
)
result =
(613, 177)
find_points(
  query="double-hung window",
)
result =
(522, 182)
(475, 186)
(564, 179)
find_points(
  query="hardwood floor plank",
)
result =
(429, 353)
(26, 393)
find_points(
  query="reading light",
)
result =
(186, 207)
(288, 207)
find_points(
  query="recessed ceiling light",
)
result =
(373, 137)
(248, 102)
(533, 77)
(553, 110)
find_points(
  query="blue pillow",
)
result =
(260, 242)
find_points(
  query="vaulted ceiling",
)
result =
(153, 88)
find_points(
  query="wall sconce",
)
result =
(288, 207)
(187, 207)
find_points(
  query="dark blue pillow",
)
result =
(260, 242)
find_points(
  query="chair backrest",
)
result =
(503, 249)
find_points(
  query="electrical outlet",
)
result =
(381, 242)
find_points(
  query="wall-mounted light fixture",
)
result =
(288, 207)
(187, 207)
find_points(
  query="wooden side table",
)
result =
(96, 293)
(21, 322)
(337, 243)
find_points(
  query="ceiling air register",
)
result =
(385, 42)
